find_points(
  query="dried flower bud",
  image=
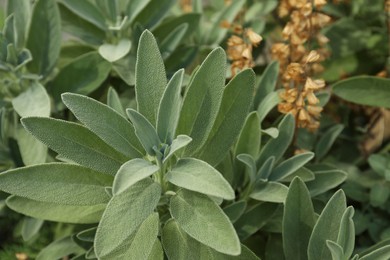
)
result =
(312, 57)
(314, 110)
(294, 70)
(319, 3)
(253, 37)
(225, 24)
(303, 115)
(314, 84)
(311, 98)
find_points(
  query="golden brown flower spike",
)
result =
(298, 63)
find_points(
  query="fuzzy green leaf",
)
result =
(144, 130)
(59, 248)
(235, 210)
(236, 100)
(33, 102)
(249, 139)
(364, 90)
(267, 83)
(150, 78)
(346, 236)
(270, 191)
(196, 175)
(335, 249)
(44, 37)
(169, 108)
(290, 166)
(277, 147)
(325, 180)
(55, 211)
(87, 11)
(132, 172)
(83, 75)
(106, 123)
(267, 104)
(326, 141)
(124, 213)
(134, 7)
(172, 40)
(327, 227)
(298, 221)
(76, 143)
(202, 100)
(205, 221)
(382, 253)
(153, 13)
(177, 145)
(60, 183)
(31, 227)
(114, 52)
(21, 10)
(114, 102)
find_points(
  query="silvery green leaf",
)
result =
(150, 78)
(265, 170)
(203, 95)
(326, 141)
(153, 13)
(196, 175)
(208, 223)
(177, 145)
(272, 132)
(250, 163)
(172, 40)
(382, 253)
(267, 104)
(335, 249)
(290, 166)
(346, 236)
(30, 227)
(134, 7)
(44, 37)
(327, 227)
(76, 143)
(235, 104)
(144, 130)
(105, 122)
(169, 108)
(235, 210)
(123, 215)
(298, 221)
(22, 14)
(114, 102)
(325, 180)
(59, 248)
(65, 184)
(132, 172)
(87, 11)
(267, 83)
(33, 102)
(114, 52)
(56, 212)
(270, 191)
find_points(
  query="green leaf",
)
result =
(217, 33)
(326, 141)
(327, 227)
(153, 13)
(379, 163)
(31, 149)
(382, 253)
(150, 78)
(134, 7)
(124, 213)
(364, 90)
(270, 191)
(21, 10)
(114, 52)
(379, 194)
(266, 169)
(59, 248)
(290, 166)
(202, 100)
(60, 183)
(178, 245)
(267, 104)
(208, 224)
(87, 11)
(31, 227)
(335, 250)
(87, 235)
(114, 102)
(157, 252)
(145, 131)
(196, 175)
(234, 108)
(277, 147)
(303, 173)
(267, 83)
(249, 139)
(250, 165)
(33, 102)
(76, 143)
(132, 172)
(272, 132)
(83, 75)
(298, 221)
(109, 8)
(44, 37)
(106, 123)
(169, 108)
(55, 211)
(325, 180)
(254, 219)
(177, 145)
(172, 40)
(346, 236)
(235, 210)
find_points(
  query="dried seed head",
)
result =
(254, 38)
(314, 84)
(313, 56)
(294, 71)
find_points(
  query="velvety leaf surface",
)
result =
(87, 11)
(124, 213)
(196, 175)
(236, 100)
(267, 83)
(59, 248)
(290, 166)
(205, 221)
(270, 191)
(150, 78)
(202, 100)
(298, 221)
(76, 143)
(44, 37)
(105, 122)
(60, 183)
(56, 212)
